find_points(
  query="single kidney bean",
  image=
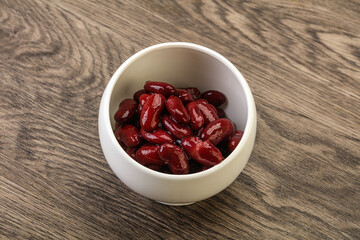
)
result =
(129, 135)
(194, 92)
(214, 97)
(217, 130)
(177, 110)
(203, 152)
(126, 111)
(149, 155)
(138, 94)
(196, 118)
(175, 158)
(220, 113)
(235, 139)
(176, 129)
(207, 111)
(159, 87)
(184, 96)
(142, 99)
(151, 111)
(159, 136)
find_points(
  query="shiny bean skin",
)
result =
(159, 136)
(217, 130)
(162, 88)
(214, 97)
(126, 111)
(184, 96)
(177, 130)
(207, 111)
(142, 99)
(149, 155)
(177, 110)
(196, 118)
(175, 158)
(129, 135)
(151, 111)
(213, 108)
(203, 152)
(235, 139)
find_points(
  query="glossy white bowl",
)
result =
(182, 65)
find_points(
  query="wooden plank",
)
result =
(301, 59)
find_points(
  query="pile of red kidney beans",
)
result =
(174, 130)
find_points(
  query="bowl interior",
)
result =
(183, 67)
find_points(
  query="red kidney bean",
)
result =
(207, 111)
(129, 135)
(126, 111)
(177, 130)
(184, 96)
(194, 92)
(131, 151)
(202, 101)
(203, 152)
(177, 110)
(117, 125)
(213, 108)
(149, 155)
(214, 97)
(142, 99)
(175, 158)
(159, 87)
(151, 111)
(220, 113)
(196, 118)
(217, 130)
(138, 94)
(235, 139)
(159, 136)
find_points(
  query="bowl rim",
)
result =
(250, 121)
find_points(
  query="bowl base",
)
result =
(176, 204)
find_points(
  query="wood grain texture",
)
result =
(302, 62)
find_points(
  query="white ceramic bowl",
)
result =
(182, 65)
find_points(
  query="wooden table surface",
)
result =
(300, 58)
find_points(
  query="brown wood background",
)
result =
(302, 62)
